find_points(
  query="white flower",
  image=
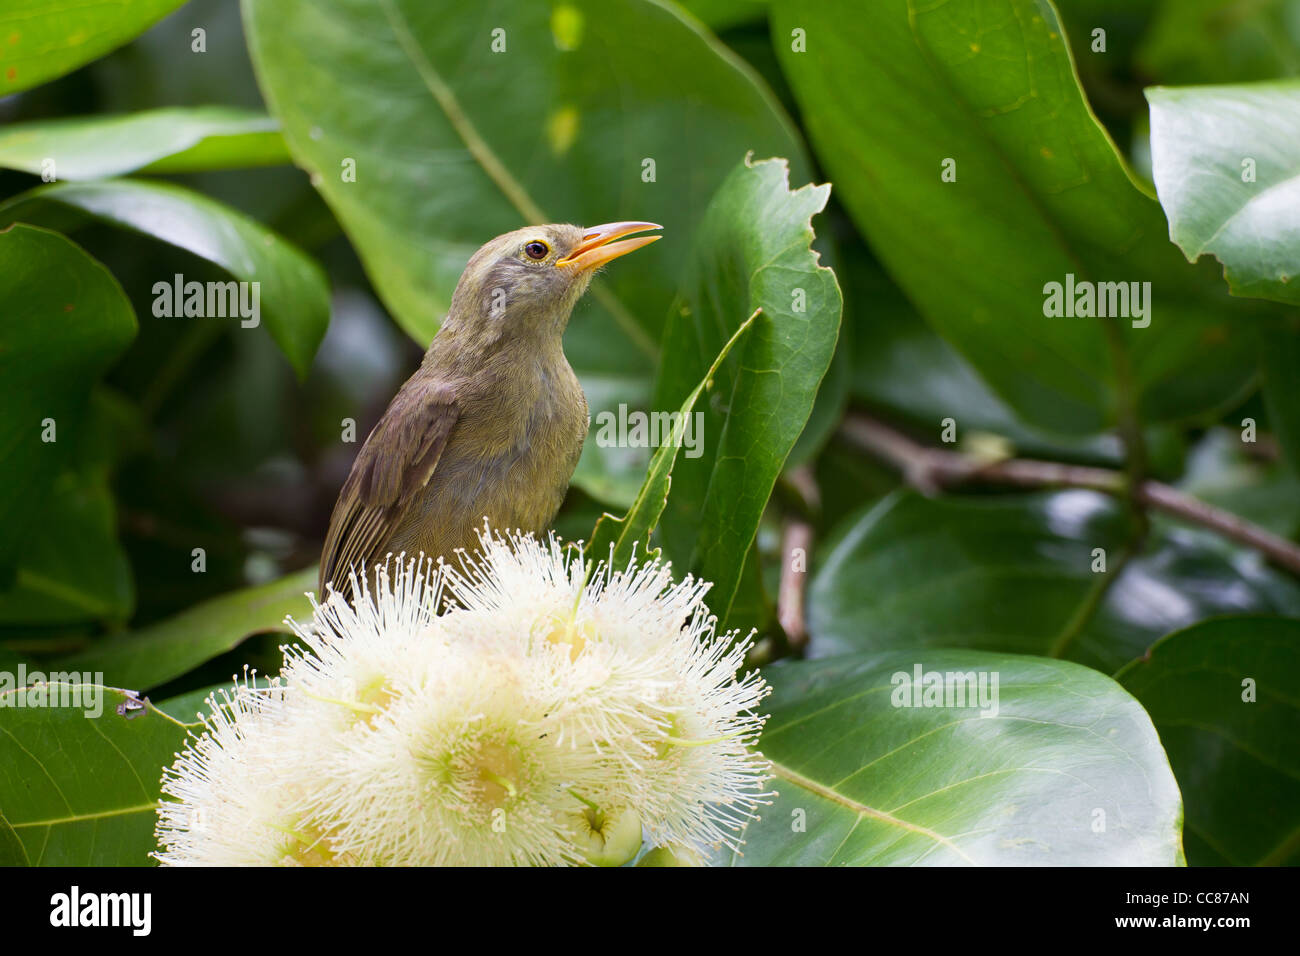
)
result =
(547, 716)
(648, 679)
(463, 767)
(356, 652)
(232, 802)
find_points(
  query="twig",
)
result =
(797, 535)
(1263, 448)
(790, 596)
(930, 469)
(1172, 501)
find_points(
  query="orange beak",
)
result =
(598, 245)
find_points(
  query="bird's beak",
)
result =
(598, 245)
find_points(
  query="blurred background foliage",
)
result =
(199, 434)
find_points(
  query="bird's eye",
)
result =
(536, 249)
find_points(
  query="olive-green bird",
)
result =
(492, 423)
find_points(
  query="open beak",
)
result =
(598, 245)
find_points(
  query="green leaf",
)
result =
(1217, 41)
(73, 569)
(188, 706)
(11, 660)
(1068, 771)
(80, 787)
(294, 293)
(899, 363)
(632, 531)
(610, 475)
(828, 410)
(1040, 194)
(608, 472)
(64, 321)
(1235, 758)
(752, 252)
(1015, 573)
(11, 848)
(1228, 174)
(42, 39)
(161, 141)
(161, 652)
(722, 14)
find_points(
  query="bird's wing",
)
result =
(393, 466)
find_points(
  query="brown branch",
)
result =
(797, 533)
(931, 469)
(790, 595)
(1263, 448)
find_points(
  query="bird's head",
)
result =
(528, 281)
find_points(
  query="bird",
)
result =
(492, 423)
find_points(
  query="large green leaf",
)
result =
(11, 847)
(1222, 695)
(81, 788)
(162, 141)
(1015, 573)
(890, 91)
(294, 293)
(1068, 771)
(752, 252)
(1227, 171)
(828, 410)
(64, 320)
(42, 39)
(156, 654)
(631, 532)
(900, 364)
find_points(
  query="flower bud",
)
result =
(607, 839)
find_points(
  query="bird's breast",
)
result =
(509, 459)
